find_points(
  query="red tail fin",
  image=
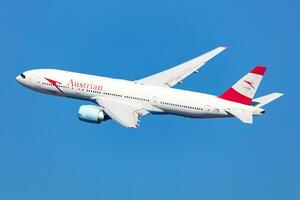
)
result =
(244, 90)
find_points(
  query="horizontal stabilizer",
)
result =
(242, 115)
(261, 101)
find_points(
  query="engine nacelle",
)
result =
(91, 114)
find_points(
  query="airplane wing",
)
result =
(122, 112)
(174, 75)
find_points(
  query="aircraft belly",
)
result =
(197, 114)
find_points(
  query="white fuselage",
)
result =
(155, 99)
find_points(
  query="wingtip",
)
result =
(279, 94)
(224, 46)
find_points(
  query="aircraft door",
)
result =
(154, 100)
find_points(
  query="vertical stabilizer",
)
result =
(244, 90)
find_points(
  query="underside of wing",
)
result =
(172, 76)
(122, 112)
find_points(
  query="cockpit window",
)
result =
(23, 76)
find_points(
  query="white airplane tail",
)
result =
(246, 116)
(244, 90)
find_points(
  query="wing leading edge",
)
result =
(174, 75)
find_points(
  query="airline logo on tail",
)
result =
(250, 83)
(240, 92)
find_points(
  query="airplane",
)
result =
(127, 101)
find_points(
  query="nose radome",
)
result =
(18, 78)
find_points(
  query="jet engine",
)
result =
(91, 114)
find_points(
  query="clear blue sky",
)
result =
(47, 153)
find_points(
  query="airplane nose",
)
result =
(18, 78)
